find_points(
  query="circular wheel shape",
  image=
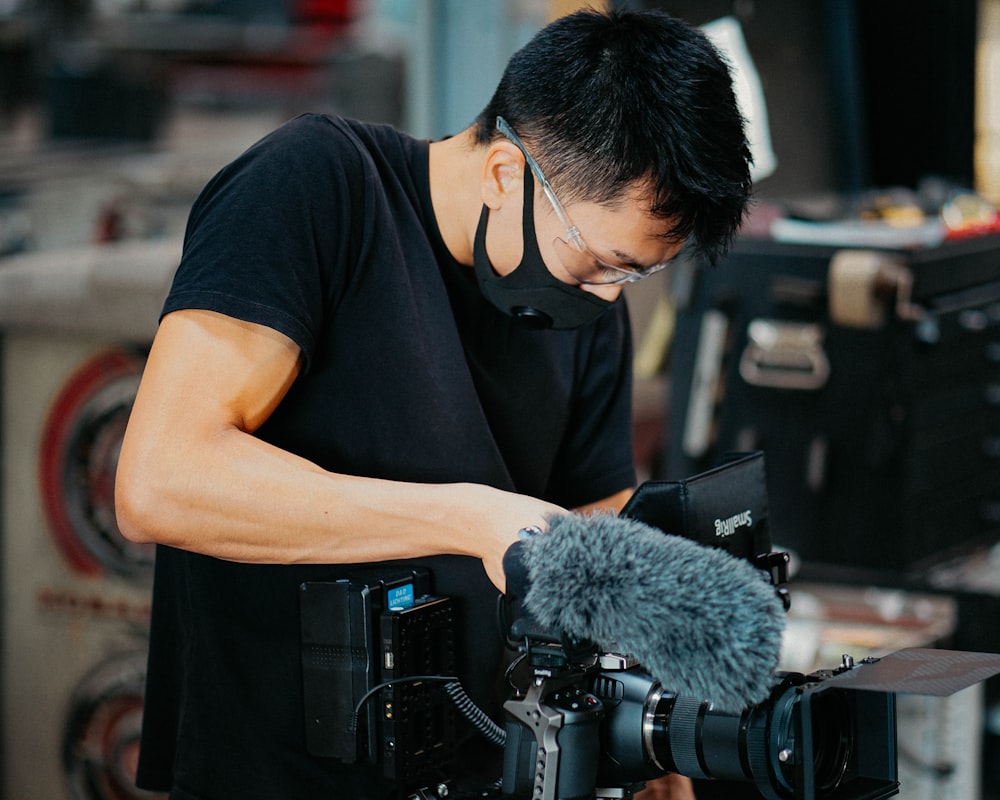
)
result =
(81, 441)
(101, 744)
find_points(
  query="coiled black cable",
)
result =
(479, 719)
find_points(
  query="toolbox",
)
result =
(870, 378)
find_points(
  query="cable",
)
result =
(509, 672)
(479, 719)
(352, 723)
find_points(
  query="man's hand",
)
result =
(669, 787)
(503, 516)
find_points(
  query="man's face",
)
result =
(623, 241)
(623, 235)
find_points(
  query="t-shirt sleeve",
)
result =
(269, 239)
(596, 458)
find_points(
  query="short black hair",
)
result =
(607, 99)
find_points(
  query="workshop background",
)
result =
(853, 335)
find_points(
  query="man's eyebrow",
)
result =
(626, 259)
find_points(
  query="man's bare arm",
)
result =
(191, 475)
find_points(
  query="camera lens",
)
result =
(651, 732)
(692, 738)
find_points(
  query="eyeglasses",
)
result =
(582, 263)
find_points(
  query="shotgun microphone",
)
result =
(703, 622)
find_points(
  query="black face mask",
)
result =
(531, 293)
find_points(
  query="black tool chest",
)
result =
(881, 435)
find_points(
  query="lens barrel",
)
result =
(649, 732)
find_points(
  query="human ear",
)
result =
(503, 171)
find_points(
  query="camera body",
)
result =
(553, 744)
(603, 729)
(589, 723)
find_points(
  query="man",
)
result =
(378, 349)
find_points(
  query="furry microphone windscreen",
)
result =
(701, 621)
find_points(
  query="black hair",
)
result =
(604, 100)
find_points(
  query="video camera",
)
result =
(603, 729)
(587, 722)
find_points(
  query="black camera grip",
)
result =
(553, 745)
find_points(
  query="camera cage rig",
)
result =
(594, 724)
(830, 734)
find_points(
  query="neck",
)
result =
(455, 167)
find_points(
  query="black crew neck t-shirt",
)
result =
(324, 231)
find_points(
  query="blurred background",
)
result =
(853, 335)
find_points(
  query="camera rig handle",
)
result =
(553, 744)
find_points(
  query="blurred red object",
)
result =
(331, 15)
(967, 214)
